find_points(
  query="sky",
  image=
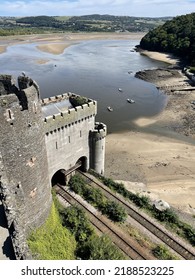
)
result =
(140, 8)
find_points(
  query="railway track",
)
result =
(176, 244)
(104, 225)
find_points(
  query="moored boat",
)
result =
(110, 109)
(130, 101)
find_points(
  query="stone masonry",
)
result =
(38, 139)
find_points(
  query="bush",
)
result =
(94, 196)
(167, 216)
(75, 220)
(162, 253)
(78, 100)
(100, 248)
(114, 211)
(77, 184)
(187, 232)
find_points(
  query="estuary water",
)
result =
(95, 69)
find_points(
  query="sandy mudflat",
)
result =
(56, 43)
(2, 49)
(55, 48)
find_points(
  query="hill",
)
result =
(176, 36)
(86, 23)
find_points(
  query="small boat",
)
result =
(120, 89)
(109, 109)
(130, 101)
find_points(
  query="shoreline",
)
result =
(56, 43)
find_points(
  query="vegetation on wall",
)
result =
(78, 100)
(176, 36)
(52, 241)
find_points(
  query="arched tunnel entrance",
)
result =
(83, 164)
(63, 176)
(59, 178)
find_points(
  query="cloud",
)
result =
(152, 8)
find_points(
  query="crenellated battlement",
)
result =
(56, 98)
(100, 131)
(18, 98)
(71, 116)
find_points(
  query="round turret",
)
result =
(98, 147)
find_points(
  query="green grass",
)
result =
(52, 241)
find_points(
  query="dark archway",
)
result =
(83, 161)
(59, 178)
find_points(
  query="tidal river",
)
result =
(95, 69)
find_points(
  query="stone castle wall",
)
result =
(34, 148)
(24, 182)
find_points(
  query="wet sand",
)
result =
(168, 58)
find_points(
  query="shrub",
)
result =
(77, 184)
(100, 248)
(166, 216)
(75, 220)
(114, 211)
(162, 253)
(94, 196)
(78, 100)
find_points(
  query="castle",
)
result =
(42, 142)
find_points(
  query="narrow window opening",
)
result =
(80, 133)
(35, 108)
(68, 139)
(56, 145)
(10, 114)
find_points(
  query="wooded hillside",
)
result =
(176, 36)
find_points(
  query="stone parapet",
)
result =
(100, 131)
(71, 116)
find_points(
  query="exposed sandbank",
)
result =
(3, 49)
(55, 48)
(168, 58)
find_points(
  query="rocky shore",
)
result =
(181, 92)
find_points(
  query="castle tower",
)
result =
(97, 158)
(24, 183)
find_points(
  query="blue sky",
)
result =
(144, 8)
